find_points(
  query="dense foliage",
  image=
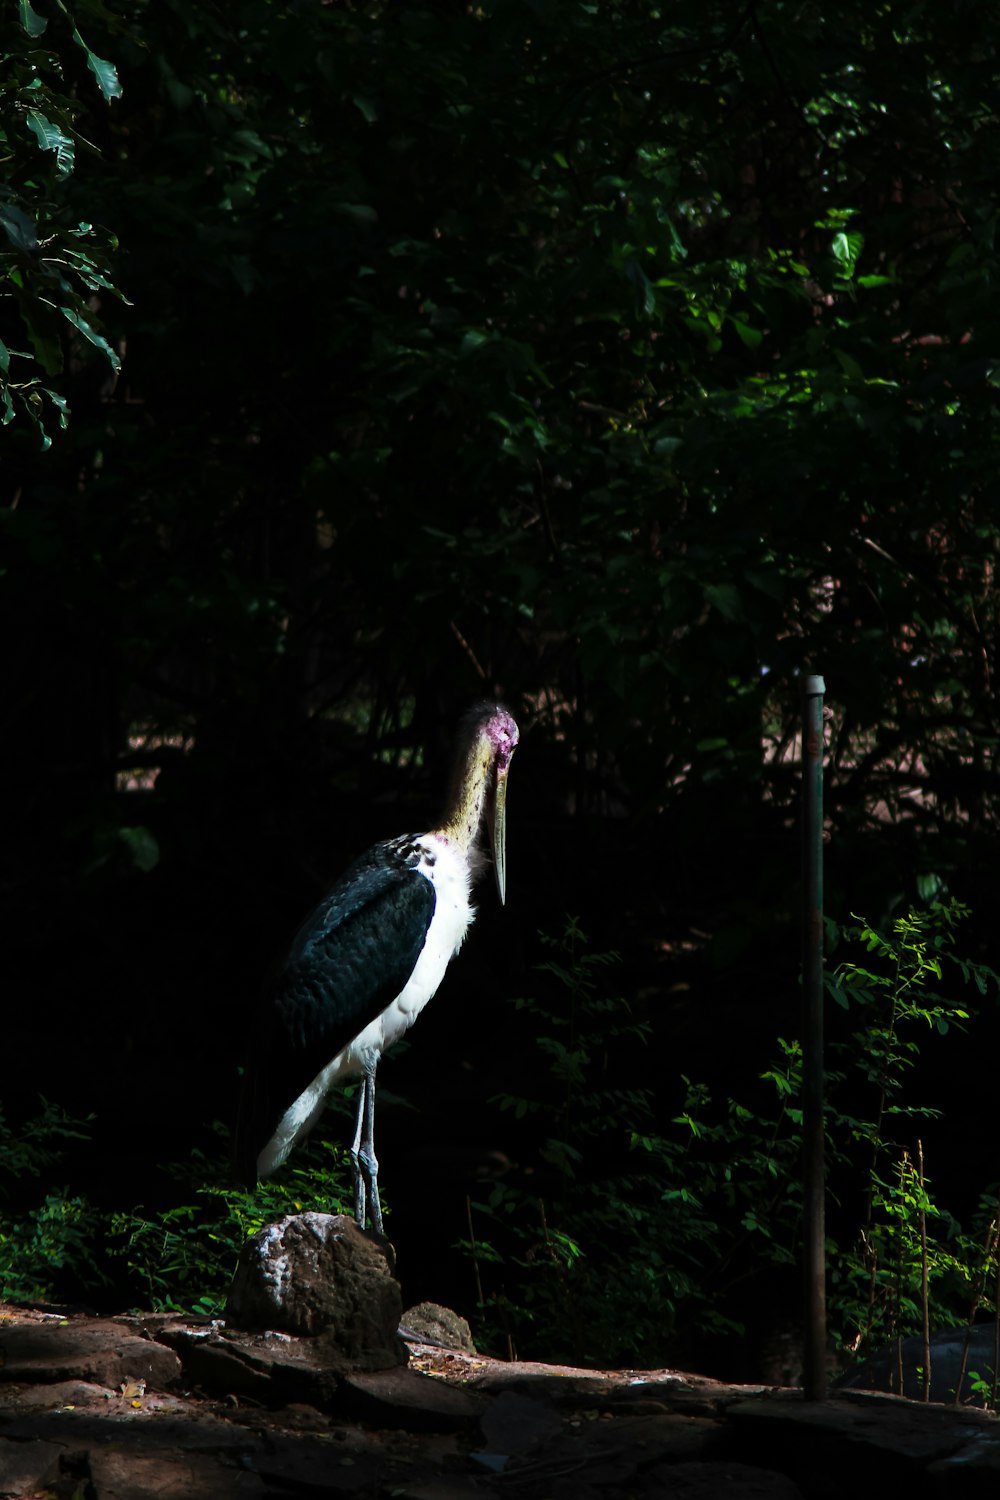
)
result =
(49, 265)
(630, 359)
(625, 359)
(635, 1233)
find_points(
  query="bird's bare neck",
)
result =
(466, 804)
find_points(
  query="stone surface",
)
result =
(268, 1367)
(713, 1481)
(60, 1395)
(28, 1467)
(431, 1323)
(239, 1366)
(892, 1441)
(407, 1398)
(971, 1471)
(118, 1475)
(967, 1354)
(513, 1423)
(318, 1274)
(97, 1349)
(450, 1426)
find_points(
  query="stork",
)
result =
(367, 960)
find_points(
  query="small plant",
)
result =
(44, 1245)
(553, 1252)
(984, 1387)
(37, 1145)
(910, 1266)
(48, 1246)
(183, 1258)
(625, 1234)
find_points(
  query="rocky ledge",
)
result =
(131, 1407)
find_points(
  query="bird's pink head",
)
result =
(502, 733)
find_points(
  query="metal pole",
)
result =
(813, 1170)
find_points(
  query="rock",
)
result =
(430, 1323)
(407, 1399)
(222, 1366)
(319, 1275)
(26, 1468)
(708, 1481)
(60, 1395)
(513, 1423)
(892, 1441)
(92, 1349)
(269, 1368)
(115, 1475)
(550, 1432)
(654, 1390)
(972, 1348)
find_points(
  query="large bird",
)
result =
(365, 963)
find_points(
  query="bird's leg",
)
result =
(369, 1161)
(359, 1181)
(363, 1159)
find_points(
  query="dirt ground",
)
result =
(129, 1408)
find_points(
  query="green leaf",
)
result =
(46, 348)
(104, 71)
(929, 885)
(849, 365)
(61, 404)
(726, 599)
(142, 846)
(473, 339)
(19, 228)
(94, 337)
(846, 249)
(750, 336)
(645, 293)
(33, 23)
(837, 993)
(361, 214)
(4, 357)
(51, 138)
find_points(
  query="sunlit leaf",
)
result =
(846, 248)
(51, 138)
(91, 333)
(33, 23)
(104, 71)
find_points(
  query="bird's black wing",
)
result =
(352, 956)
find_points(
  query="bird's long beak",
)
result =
(498, 831)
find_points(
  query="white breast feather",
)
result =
(453, 914)
(450, 876)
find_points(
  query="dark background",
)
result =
(622, 364)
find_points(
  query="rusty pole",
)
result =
(813, 1168)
